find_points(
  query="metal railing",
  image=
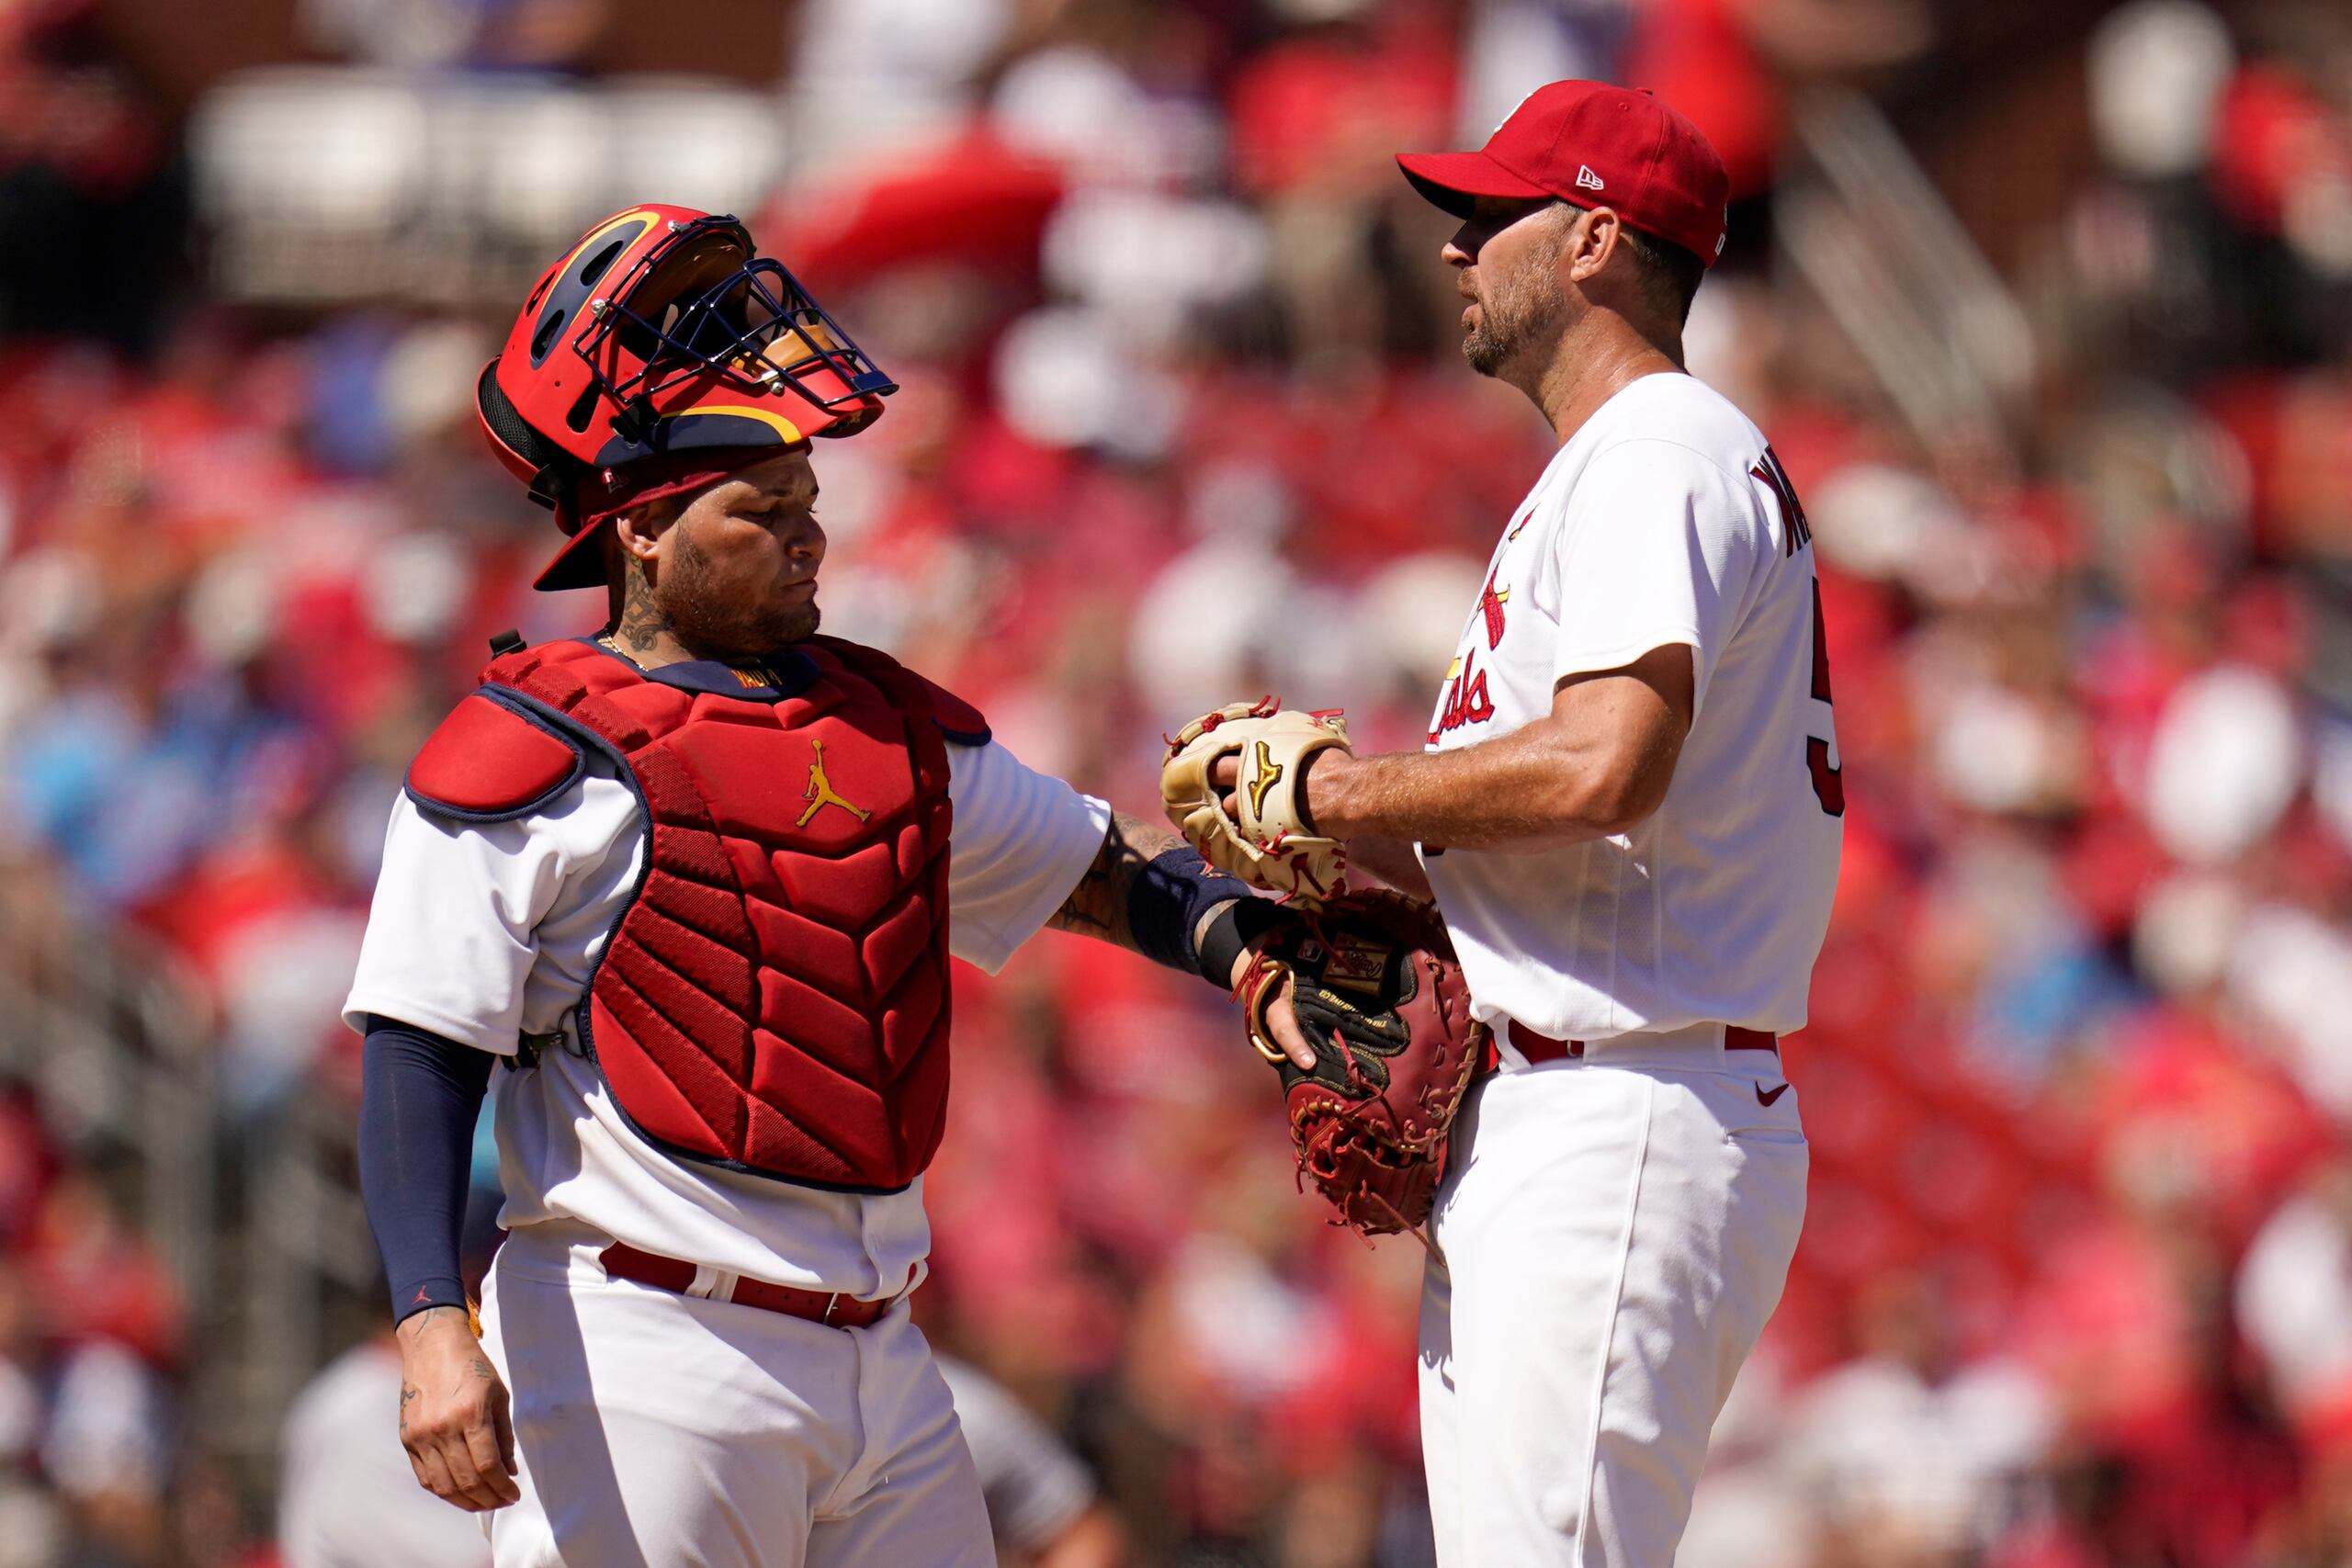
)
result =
(259, 1222)
(107, 1034)
(1888, 259)
(305, 1246)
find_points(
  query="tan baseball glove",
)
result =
(1265, 840)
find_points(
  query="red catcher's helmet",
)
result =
(659, 334)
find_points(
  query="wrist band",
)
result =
(1234, 928)
(1167, 901)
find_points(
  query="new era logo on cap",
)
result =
(1593, 144)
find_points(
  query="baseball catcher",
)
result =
(681, 891)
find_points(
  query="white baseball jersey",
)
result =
(483, 933)
(1665, 519)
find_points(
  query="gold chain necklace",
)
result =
(759, 673)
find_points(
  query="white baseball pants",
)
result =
(1610, 1243)
(656, 1430)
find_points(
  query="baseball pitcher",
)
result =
(1628, 810)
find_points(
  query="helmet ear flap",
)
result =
(552, 468)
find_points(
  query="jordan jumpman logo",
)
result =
(819, 792)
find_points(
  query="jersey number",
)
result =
(1828, 783)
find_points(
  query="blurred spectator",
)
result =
(1041, 1501)
(91, 199)
(1910, 1458)
(2294, 1296)
(346, 1495)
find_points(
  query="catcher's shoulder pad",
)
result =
(492, 761)
(958, 721)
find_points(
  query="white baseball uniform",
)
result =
(658, 1429)
(1617, 1228)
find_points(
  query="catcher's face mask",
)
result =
(660, 333)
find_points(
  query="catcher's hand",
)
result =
(1261, 833)
(1378, 997)
(455, 1419)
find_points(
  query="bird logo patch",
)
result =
(1490, 605)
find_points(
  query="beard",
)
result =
(1524, 314)
(712, 622)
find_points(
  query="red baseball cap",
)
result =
(1591, 144)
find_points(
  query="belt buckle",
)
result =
(831, 1301)
(529, 1048)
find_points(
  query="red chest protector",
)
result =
(775, 998)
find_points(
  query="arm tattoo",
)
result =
(1097, 907)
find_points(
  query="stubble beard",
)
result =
(1523, 316)
(704, 617)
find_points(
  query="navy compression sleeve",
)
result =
(419, 1095)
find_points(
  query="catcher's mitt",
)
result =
(1266, 841)
(1380, 998)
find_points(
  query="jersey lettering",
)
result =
(1796, 532)
(1466, 701)
(1828, 783)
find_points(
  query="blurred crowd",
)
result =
(1182, 422)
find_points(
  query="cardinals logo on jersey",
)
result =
(1466, 701)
